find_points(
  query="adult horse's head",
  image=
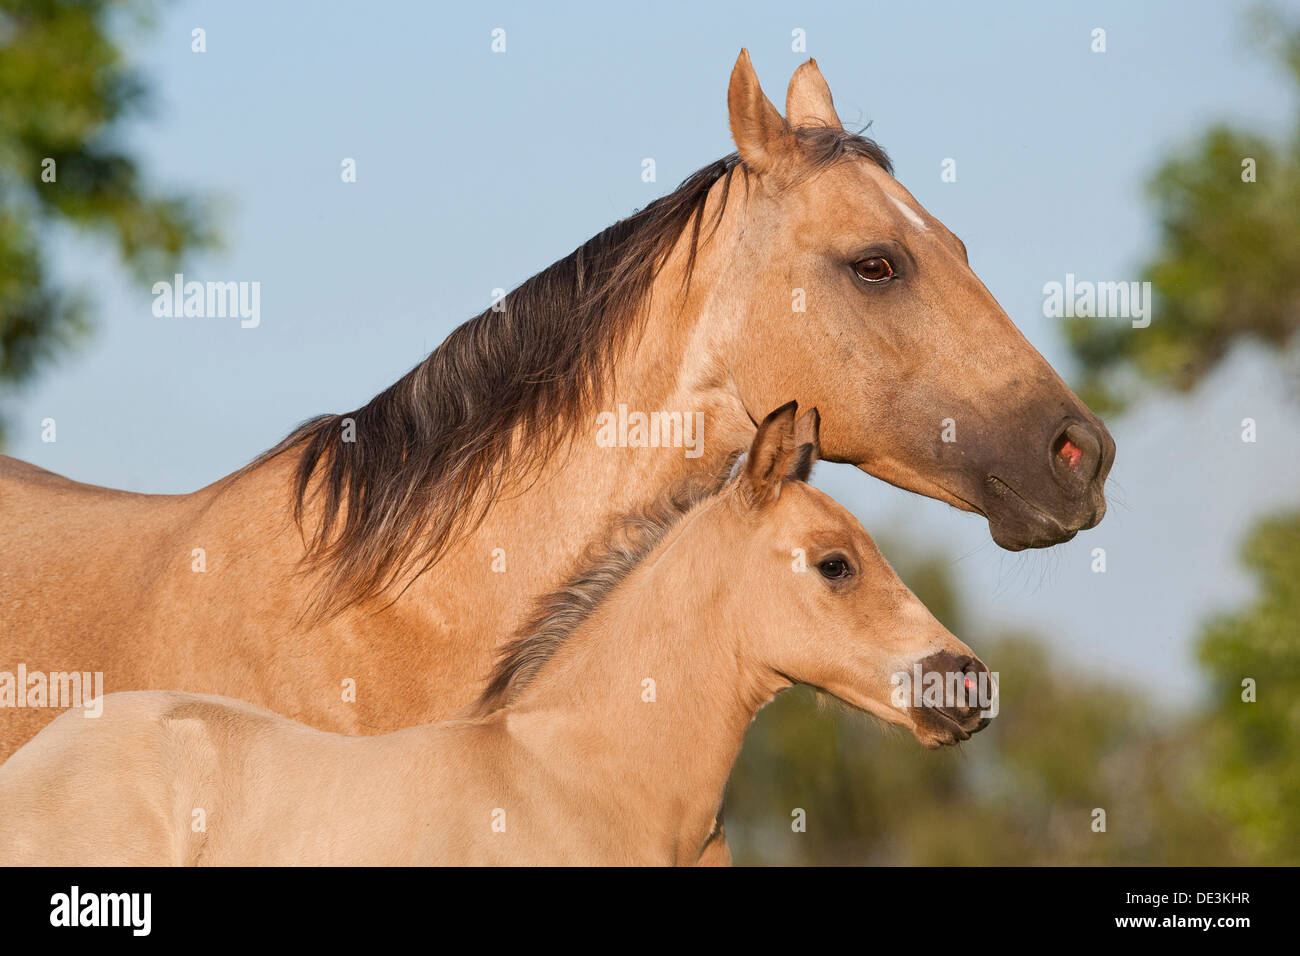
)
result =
(876, 317)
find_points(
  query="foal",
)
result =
(605, 736)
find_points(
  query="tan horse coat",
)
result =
(610, 743)
(98, 580)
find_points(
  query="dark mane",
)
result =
(497, 397)
(559, 613)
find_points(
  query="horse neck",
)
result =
(655, 763)
(676, 363)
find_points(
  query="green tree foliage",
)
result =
(1226, 267)
(1253, 748)
(66, 93)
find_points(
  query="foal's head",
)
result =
(821, 606)
(786, 579)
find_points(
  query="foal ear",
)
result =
(807, 445)
(784, 449)
(761, 135)
(808, 100)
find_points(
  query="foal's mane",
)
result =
(558, 614)
(498, 397)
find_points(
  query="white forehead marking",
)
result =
(910, 214)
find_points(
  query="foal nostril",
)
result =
(968, 687)
(972, 697)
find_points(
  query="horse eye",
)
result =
(875, 269)
(834, 569)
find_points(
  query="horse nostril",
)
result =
(970, 687)
(969, 693)
(1069, 452)
(963, 676)
(1076, 451)
(972, 702)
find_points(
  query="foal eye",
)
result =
(834, 569)
(875, 269)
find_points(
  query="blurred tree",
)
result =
(65, 95)
(1227, 263)
(1227, 270)
(1253, 773)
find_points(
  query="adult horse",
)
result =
(349, 575)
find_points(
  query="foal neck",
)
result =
(644, 707)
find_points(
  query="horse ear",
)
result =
(808, 100)
(784, 449)
(807, 445)
(762, 136)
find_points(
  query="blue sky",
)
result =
(476, 169)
